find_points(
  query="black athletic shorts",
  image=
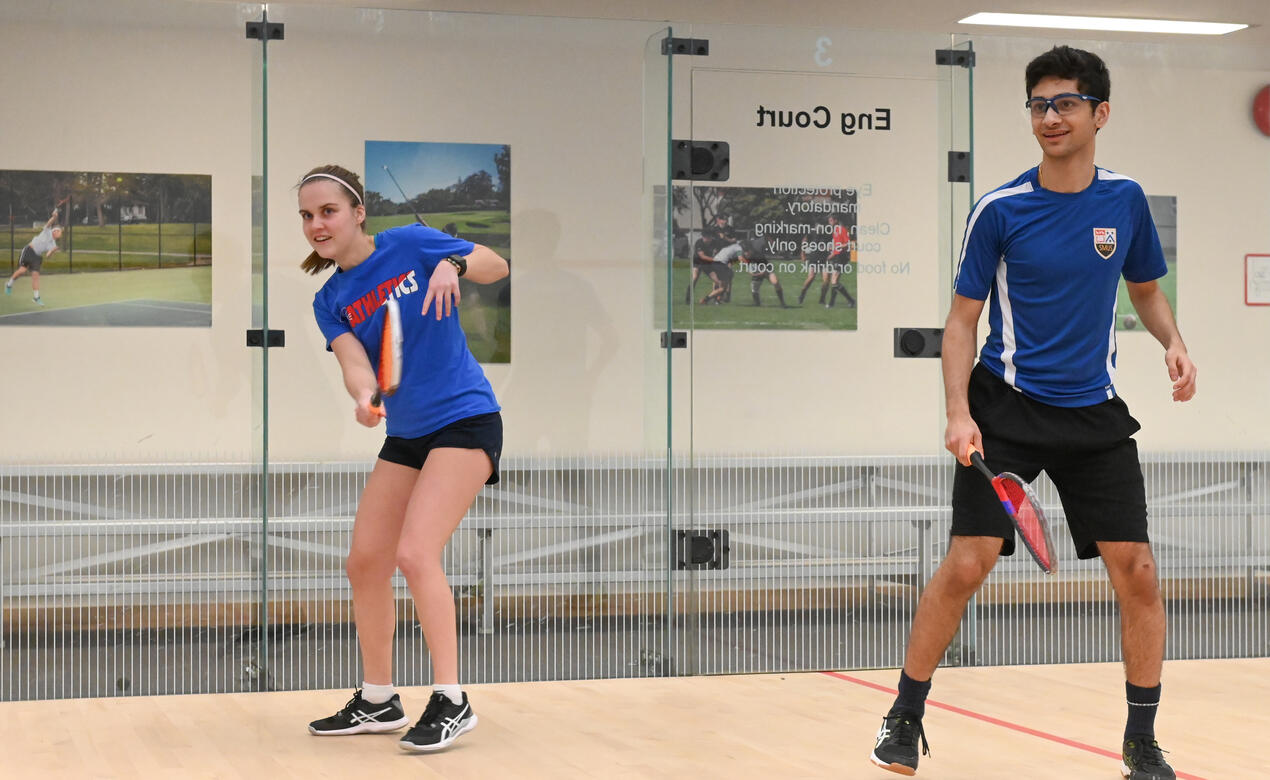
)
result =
(720, 270)
(482, 432)
(30, 258)
(1087, 452)
(839, 263)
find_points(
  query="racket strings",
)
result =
(1031, 523)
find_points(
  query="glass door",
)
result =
(813, 221)
(560, 570)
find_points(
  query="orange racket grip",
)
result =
(377, 405)
(976, 459)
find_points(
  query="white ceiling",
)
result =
(917, 15)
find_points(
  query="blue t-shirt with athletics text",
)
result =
(1052, 262)
(441, 382)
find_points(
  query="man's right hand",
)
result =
(961, 433)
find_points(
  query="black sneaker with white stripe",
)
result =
(896, 747)
(362, 717)
(442, 722)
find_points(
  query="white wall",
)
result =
(570, 98)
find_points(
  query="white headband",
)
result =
(347, 186)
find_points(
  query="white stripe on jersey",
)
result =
(1003, 289)
(991, 196)
(1111, 355)
(1008, 343)
(1106, 175)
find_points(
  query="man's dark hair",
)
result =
(1063, 62)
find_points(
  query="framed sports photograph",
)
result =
(460, 189)
(106, 249)
(1164, 214)
(766, 258)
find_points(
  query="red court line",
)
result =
(998, 722)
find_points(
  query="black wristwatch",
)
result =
(459, 262)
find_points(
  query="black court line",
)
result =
(141, 313)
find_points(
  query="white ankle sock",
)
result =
(377, 694)
(452, 692)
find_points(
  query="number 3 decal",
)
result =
(822, 52)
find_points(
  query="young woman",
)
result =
(444, 436)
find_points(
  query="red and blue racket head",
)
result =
(1025, 511)
(388, 373)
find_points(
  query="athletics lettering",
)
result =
(357, 311)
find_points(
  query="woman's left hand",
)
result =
(443, 286)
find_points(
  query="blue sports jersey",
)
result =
(1052, 262)
(440, 381)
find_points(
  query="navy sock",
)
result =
(912, 696)
(1143, 703)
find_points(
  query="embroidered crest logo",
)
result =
(1105, 242)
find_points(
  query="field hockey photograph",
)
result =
(765, 258)
(463, 190)
(100, 249)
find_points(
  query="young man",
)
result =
(713, 243)
(839, 263)
(751, 253)
(831, 264)
(1049, 248)
(703, 251)
(33, 255)
(726, 253)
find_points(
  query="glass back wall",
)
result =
(824, 234)
(130, 546)
(481, 126)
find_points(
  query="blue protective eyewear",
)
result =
(1063, 104)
